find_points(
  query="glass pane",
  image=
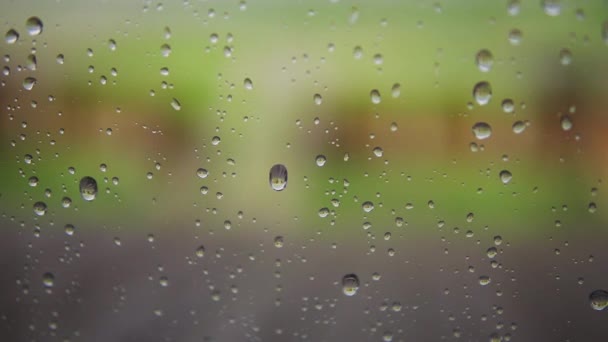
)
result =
(303, 171)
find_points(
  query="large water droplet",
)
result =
(598, 300)
(350, 284)
(33, 26)
(482, 93)
(88, 188)
(320, 160)
(317, 99)
(484, 60)
(482, 130)
(367, 206)
(248, 84)
(278, 177)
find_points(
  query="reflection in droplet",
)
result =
(350, 284)
(278, 177)
(482, 93)
(484, 60)
(598, 300)
(482, 130)
(88, 188)
(33, 26)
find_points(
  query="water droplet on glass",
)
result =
(566, 123)
(165, 50)
(598, 300)
(396, 90)
(515, 37)
(605, 31)
(505, 176)
(202, 173)
(278, 177)
(48, 279)
(323, 212)
(484, 60)
(482, 130)
(11, 36)
(88, 188)
(69, 229)
(375, 96)
(519, 127)
(508, 106)
(320, 160)
(33, 26)
(378, 152)
(66, 202)
(350, 284)
(248, 84)
(552, 7)
(484, 280)
(28, 83)
(565, 56)
(278, 242)
(216, 140)
(200, 251)
(317, 99)
(175, 104)
(112, 44)
(513, 7)
(40, 208)
(482, 93)
(367, 206)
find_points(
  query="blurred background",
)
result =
(451, 155)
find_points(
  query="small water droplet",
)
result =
(513, 7)
(508, 106)
(11, 36)
(375, 96)
(165, 50)
(396, 90)
(566, 123)
(484, 60)
(278, 177)
(367, 206)
(33, 26)
(248, 84)
(565, 56)
(88, 188)
(200, 251)
(482, 93)
(202, 173)
(48, 280)
(552, 7)
(484, 280)
(519, 127)
(482, 130)
(317, 99)
(112, 44)
(175, 104)
(278, 242)
(350, 284)
(515, 37)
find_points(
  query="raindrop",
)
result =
(598, 300)
(482, 93)
(505, 176)
(396, 90)
(28, 83)
(11, 36)
(513, 7)
(350, 284)
(378, 151)
(33, 26)
(323, 212)
(40, 208)
(519, 127)
(484, 60)
(508, 106)
(278, 177)
(112, 44)
(88, 188)
(200, 251)
(515, 37)
(375, 96)
(552, 7)
(202, 173)
(317, 99)
(565, 56)
(566, 123)
(31, 62)
(367, 206)
(175, 104)
(278, 242)
(69, 229)
(482, 130)
(248, 84)
(48, 279)
(484, 280)
(320, 160)
(216, 140)
(165, 50)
